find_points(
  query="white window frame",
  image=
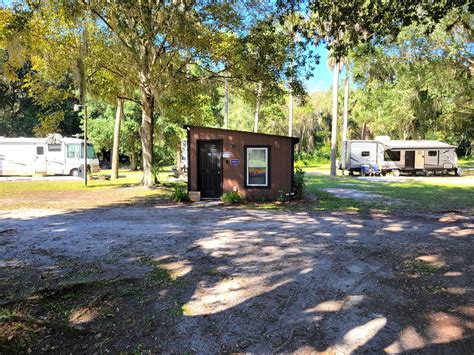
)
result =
(247, 166)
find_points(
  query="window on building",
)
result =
(54, 147)
(365, 153)
(39, 150)
(257, 166)
(432, 153)
(392, 155)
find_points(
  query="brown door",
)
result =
(410, 159)
(210, 168)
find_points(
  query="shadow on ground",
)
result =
(191, 279)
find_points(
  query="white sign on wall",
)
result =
(184, 152)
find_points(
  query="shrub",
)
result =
(179, 194)
(232, 197)
(281, 196)
(298, 182)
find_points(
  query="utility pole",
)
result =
(226, 105)
(83, 86)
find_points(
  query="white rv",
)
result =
(357, 153)
(423, 156)
(54, 155)
(410, 156)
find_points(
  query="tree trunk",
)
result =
(146, 134)
(226, 105)
(133, 160)
(257, 106)
(362, 131)
(115, 151)
(346, 105)
(335, 87)
(290, 115)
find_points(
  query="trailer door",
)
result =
(420, 159)
(55, 162)
(40, 160)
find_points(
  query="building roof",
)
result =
(295, 139)
(417, 144)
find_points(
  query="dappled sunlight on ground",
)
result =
(235, 280)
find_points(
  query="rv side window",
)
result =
(432, 153)
(54, 147)
(365, 153)
(73, 151)
(391, 155)
(40, 150)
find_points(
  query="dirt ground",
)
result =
(186, 279)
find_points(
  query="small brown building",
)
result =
(256, 165)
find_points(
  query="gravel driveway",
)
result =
(240, 280)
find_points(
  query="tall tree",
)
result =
(346, 102)
(335, 89)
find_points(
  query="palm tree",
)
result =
(335, 64)
(346, 101)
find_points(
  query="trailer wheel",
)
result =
(351, 173)
(74, 172)
(459, 172)
(396, 172)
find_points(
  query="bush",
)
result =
(232, 197)
(298, 182)
(281, 196)
(179, 194)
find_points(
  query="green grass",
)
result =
(427, 195)
(420, 267)
(466, 163)
(126, 178)
(73, 194)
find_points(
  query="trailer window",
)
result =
(433, 153)
(257, 166)
(73, 151)
(365, 153)
(54, 147)
(392, 155)
(39, 150)
(90, 152)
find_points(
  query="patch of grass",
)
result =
(49, 194)
(213, 272)
(430, 195)
(466, 163)
(130, 291)
(179, 310)
(158, 275)
(420, 267)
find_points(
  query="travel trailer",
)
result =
(359, 153)
(420, 156)
(54, 155)
(409, 156)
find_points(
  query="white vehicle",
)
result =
(420, 156)
(358, 153)
(410, 156)
(54, 155)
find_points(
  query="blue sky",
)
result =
(322, 78)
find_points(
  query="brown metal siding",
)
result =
(281, 156)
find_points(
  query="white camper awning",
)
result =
(422, 144)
